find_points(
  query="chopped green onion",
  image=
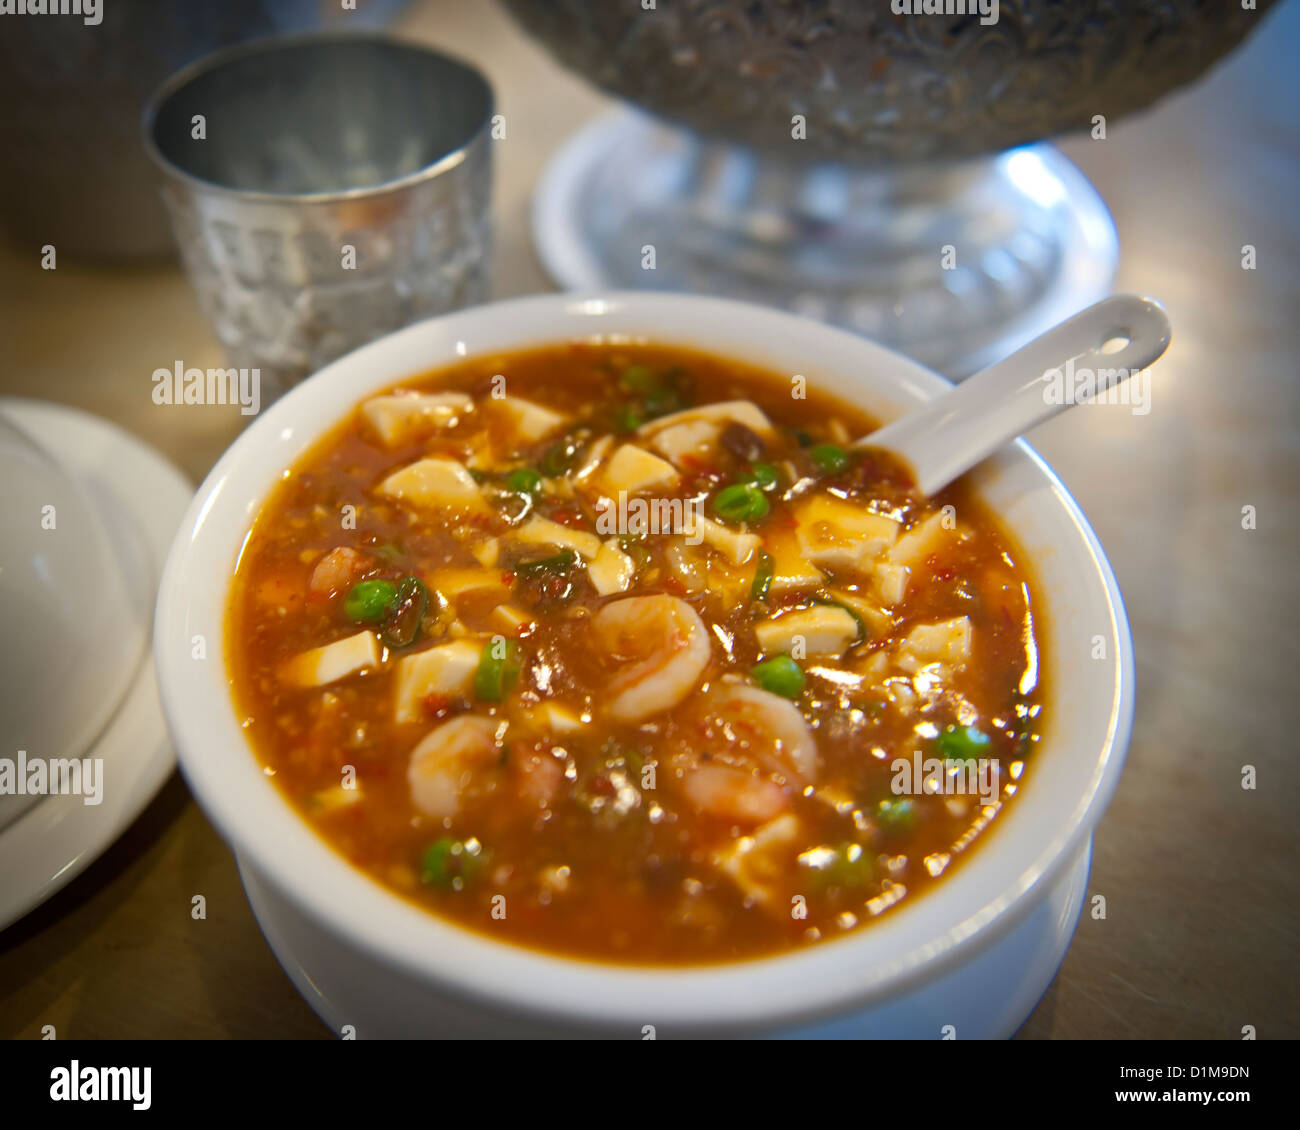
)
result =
(764, 476)
(523, 480)
(405, 611)
(449, 864)
(780, 675)
(829, 459)
(557, 563)
(740, 502)
(628, 417)
(498, 669)
(661, 401)
(388, 552)
(964, 743)
(368, 601)
(762, 576)
(560, 457)
(863, 634)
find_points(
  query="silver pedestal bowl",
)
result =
(863, 161)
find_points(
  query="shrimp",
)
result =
(659, 647)
(443, 760)
(739, 795)
(540, 775)
(767, 728)
(745, 757)
(337, 570)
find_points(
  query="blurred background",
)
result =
(1198, 875)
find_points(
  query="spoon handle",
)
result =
(1112, 340)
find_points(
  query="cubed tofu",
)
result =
(823, 629)
(633, 469)
(529, 422)
(447, 669)
(326, 801)
(840, 535)
(756, 863)
(731, 583)
(719, 415)
(736, 547)
(509, 618)
(612, 570)
(401, 417)
(436, 483)
(334, 661)
(592, 459)
(692, 435)
(542, 531)
(487, 551)
(692, 440)
(454, 583)
(687, 564)
(791, 571)
(890, 582)
(947, 642)
(875, 666)
(928, 537)
(558, 719)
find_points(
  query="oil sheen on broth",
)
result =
(461, 654)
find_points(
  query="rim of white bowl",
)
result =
(1071, 778)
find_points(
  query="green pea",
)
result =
(829, 459)
(498, 669)
(964, 743)
(740, 502)
(368, 601)
(762, 576)
(762, 475)
(555, 564)
(854, 867)
(896, 815)
(449, 864)
(780, 675)
(638, 378)
(847, 866)
(524, 480)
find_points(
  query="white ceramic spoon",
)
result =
(1115, 338)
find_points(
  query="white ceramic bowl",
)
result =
(411, 972)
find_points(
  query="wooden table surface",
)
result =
(1199, 875)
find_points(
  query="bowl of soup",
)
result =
(563, 666)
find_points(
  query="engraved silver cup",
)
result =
(324, 190)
